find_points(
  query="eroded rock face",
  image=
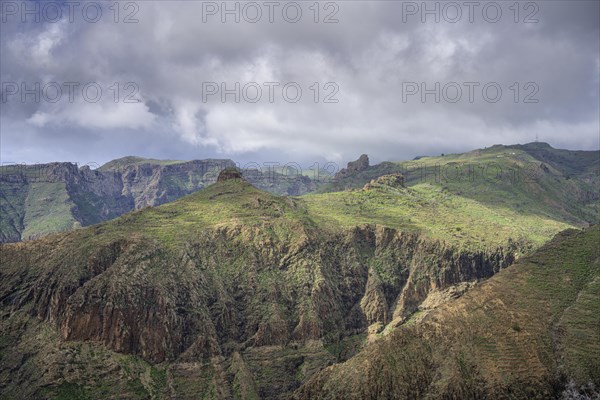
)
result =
(234, 287)
(92, 196)
(354, 166)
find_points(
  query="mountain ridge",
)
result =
(533, 178)
(234, 292)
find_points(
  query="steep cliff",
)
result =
(529, 332)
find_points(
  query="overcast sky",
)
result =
(361, 67)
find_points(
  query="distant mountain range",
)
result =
(535, 178)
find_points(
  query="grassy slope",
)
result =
(576, 163)
(512, 176)
(48, 209)
(440, 215)
(226, 203)
(433, 210)
(100, 373)
(506, 176)
(236, 203)
(521, 334)
(12, 210)
(565, 192)
(34, 209)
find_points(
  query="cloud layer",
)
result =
(361, 78)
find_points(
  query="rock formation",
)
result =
(35, 195)
(391, 180)
(229, 174)
(354, 166)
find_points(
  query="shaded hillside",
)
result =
(529, 332)
(228, 292)
(584, 165)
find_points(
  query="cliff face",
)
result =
(46, 198)
(153, 184)
(529, 332)
(234, 290)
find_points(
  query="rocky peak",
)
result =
(354, 166)
(229, 174)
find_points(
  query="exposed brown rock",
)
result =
(392, 180)
(229, 174)
(235, 288)
(354, 166)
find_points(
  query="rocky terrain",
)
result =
(393, 289)
(530, 332)
(230, 292)
(535, 178)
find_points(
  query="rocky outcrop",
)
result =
(390, 180)
(229, 174)
(529, 332)
(354, 166)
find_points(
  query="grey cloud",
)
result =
(369, 54)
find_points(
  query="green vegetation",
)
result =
(523, 334)
(529, 180)
(71, 391)
(233, 292)
(223, 204)
(509, 176)
(532, 179)
(12, 210)
(433, 210)
(48, 210)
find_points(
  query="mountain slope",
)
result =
(530, 179)
(523, 334)
(41, 199)
(226, 291)
(533, 179)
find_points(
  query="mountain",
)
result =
(532, 178)
(530, 332)
(233, 292)
(39, 199)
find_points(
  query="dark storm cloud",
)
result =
(372, 54)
